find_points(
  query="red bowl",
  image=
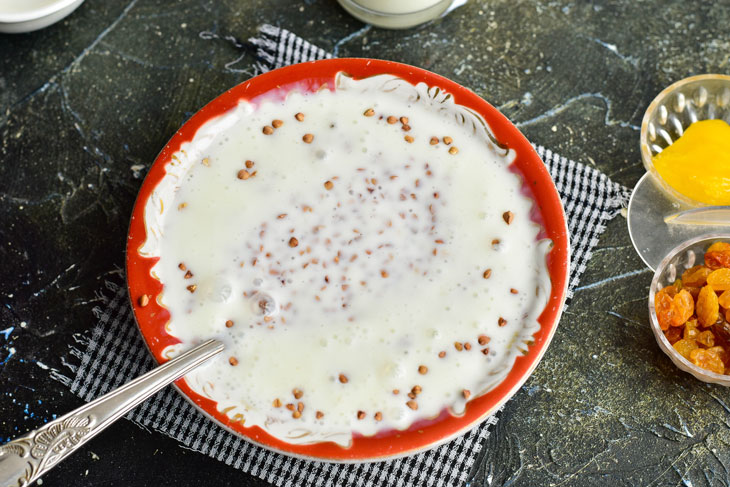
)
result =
(548, 211)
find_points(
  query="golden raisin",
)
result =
(719, 351)
(685, 347)
(719, 279)
(683, 306)
(724, 300)
(663, 307)
(721, 329)
(690, 330)
(695, 276)
(719, 247)
(708, 308)
(673, 335)
(707, 360)
(706, 338)
(694, 291)
(717, 260)
(670, 290)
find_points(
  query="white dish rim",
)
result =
(35, 14)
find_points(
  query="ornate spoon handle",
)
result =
(25, 459)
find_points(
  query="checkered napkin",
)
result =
(114, 352)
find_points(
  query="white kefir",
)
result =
(365, 254)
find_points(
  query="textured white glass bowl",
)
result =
(684, 256)
(390, 20)
(703, 97)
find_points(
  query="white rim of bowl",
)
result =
(652, 312)
(398, 14)
(35, 14)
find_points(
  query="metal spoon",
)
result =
(25, 459)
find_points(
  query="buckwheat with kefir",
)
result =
(361, 279)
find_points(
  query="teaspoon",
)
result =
(25, 459)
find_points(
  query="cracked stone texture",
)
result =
(85, 106)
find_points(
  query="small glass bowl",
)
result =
(681, 258)
(703, 97)
(391, 20)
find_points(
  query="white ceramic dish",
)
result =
(19, 16)
(154, 319)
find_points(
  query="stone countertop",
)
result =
(86, 104)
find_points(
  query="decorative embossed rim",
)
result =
(152, 319)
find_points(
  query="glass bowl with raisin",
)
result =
(689, 306)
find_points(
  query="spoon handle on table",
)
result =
(25, 459)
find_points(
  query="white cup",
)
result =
(398, 14)
(17, 16)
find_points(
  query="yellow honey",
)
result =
(698, 164)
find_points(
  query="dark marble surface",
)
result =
(85, 106)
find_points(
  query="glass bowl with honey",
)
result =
(685, 140)
(685, 148)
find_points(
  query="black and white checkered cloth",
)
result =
(115, 353)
